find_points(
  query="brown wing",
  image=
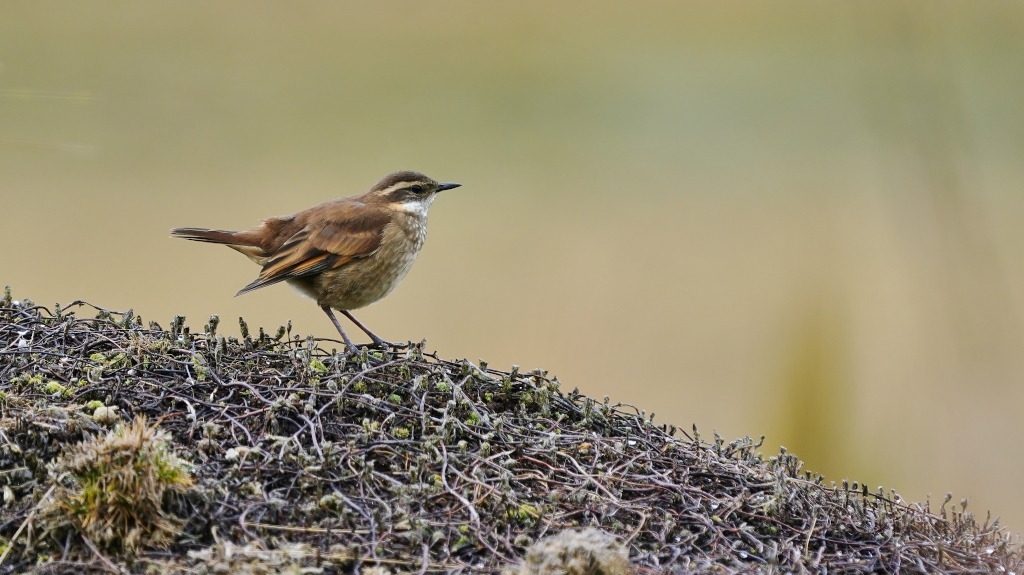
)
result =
(332, 237)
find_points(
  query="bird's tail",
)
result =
(213, 236)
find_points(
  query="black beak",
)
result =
(443, 187)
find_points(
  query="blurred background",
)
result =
(798, 219)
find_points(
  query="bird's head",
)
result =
(407, 191)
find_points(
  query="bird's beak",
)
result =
(449, 186)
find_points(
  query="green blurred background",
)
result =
(802, 219)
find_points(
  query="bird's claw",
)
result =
(387, 345)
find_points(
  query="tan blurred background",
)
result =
(801, 219)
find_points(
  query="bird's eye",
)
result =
(416, 189)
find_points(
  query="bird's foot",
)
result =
(364, 355)
(387, 345)
(377, 340)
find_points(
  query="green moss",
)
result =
(332, 502)
(201, 373)
(27, 380)
(523, 513)
(112, 489)
(118, 361)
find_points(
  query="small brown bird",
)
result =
(345, 253)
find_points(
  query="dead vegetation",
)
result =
(276, 454)
(575, 552)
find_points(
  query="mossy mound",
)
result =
(305, 460)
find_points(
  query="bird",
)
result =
(346, 253)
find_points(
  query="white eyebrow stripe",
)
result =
(399, 186)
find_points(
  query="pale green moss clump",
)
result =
(114, 490)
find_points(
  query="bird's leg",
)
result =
(376, 340)
(348, 342)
